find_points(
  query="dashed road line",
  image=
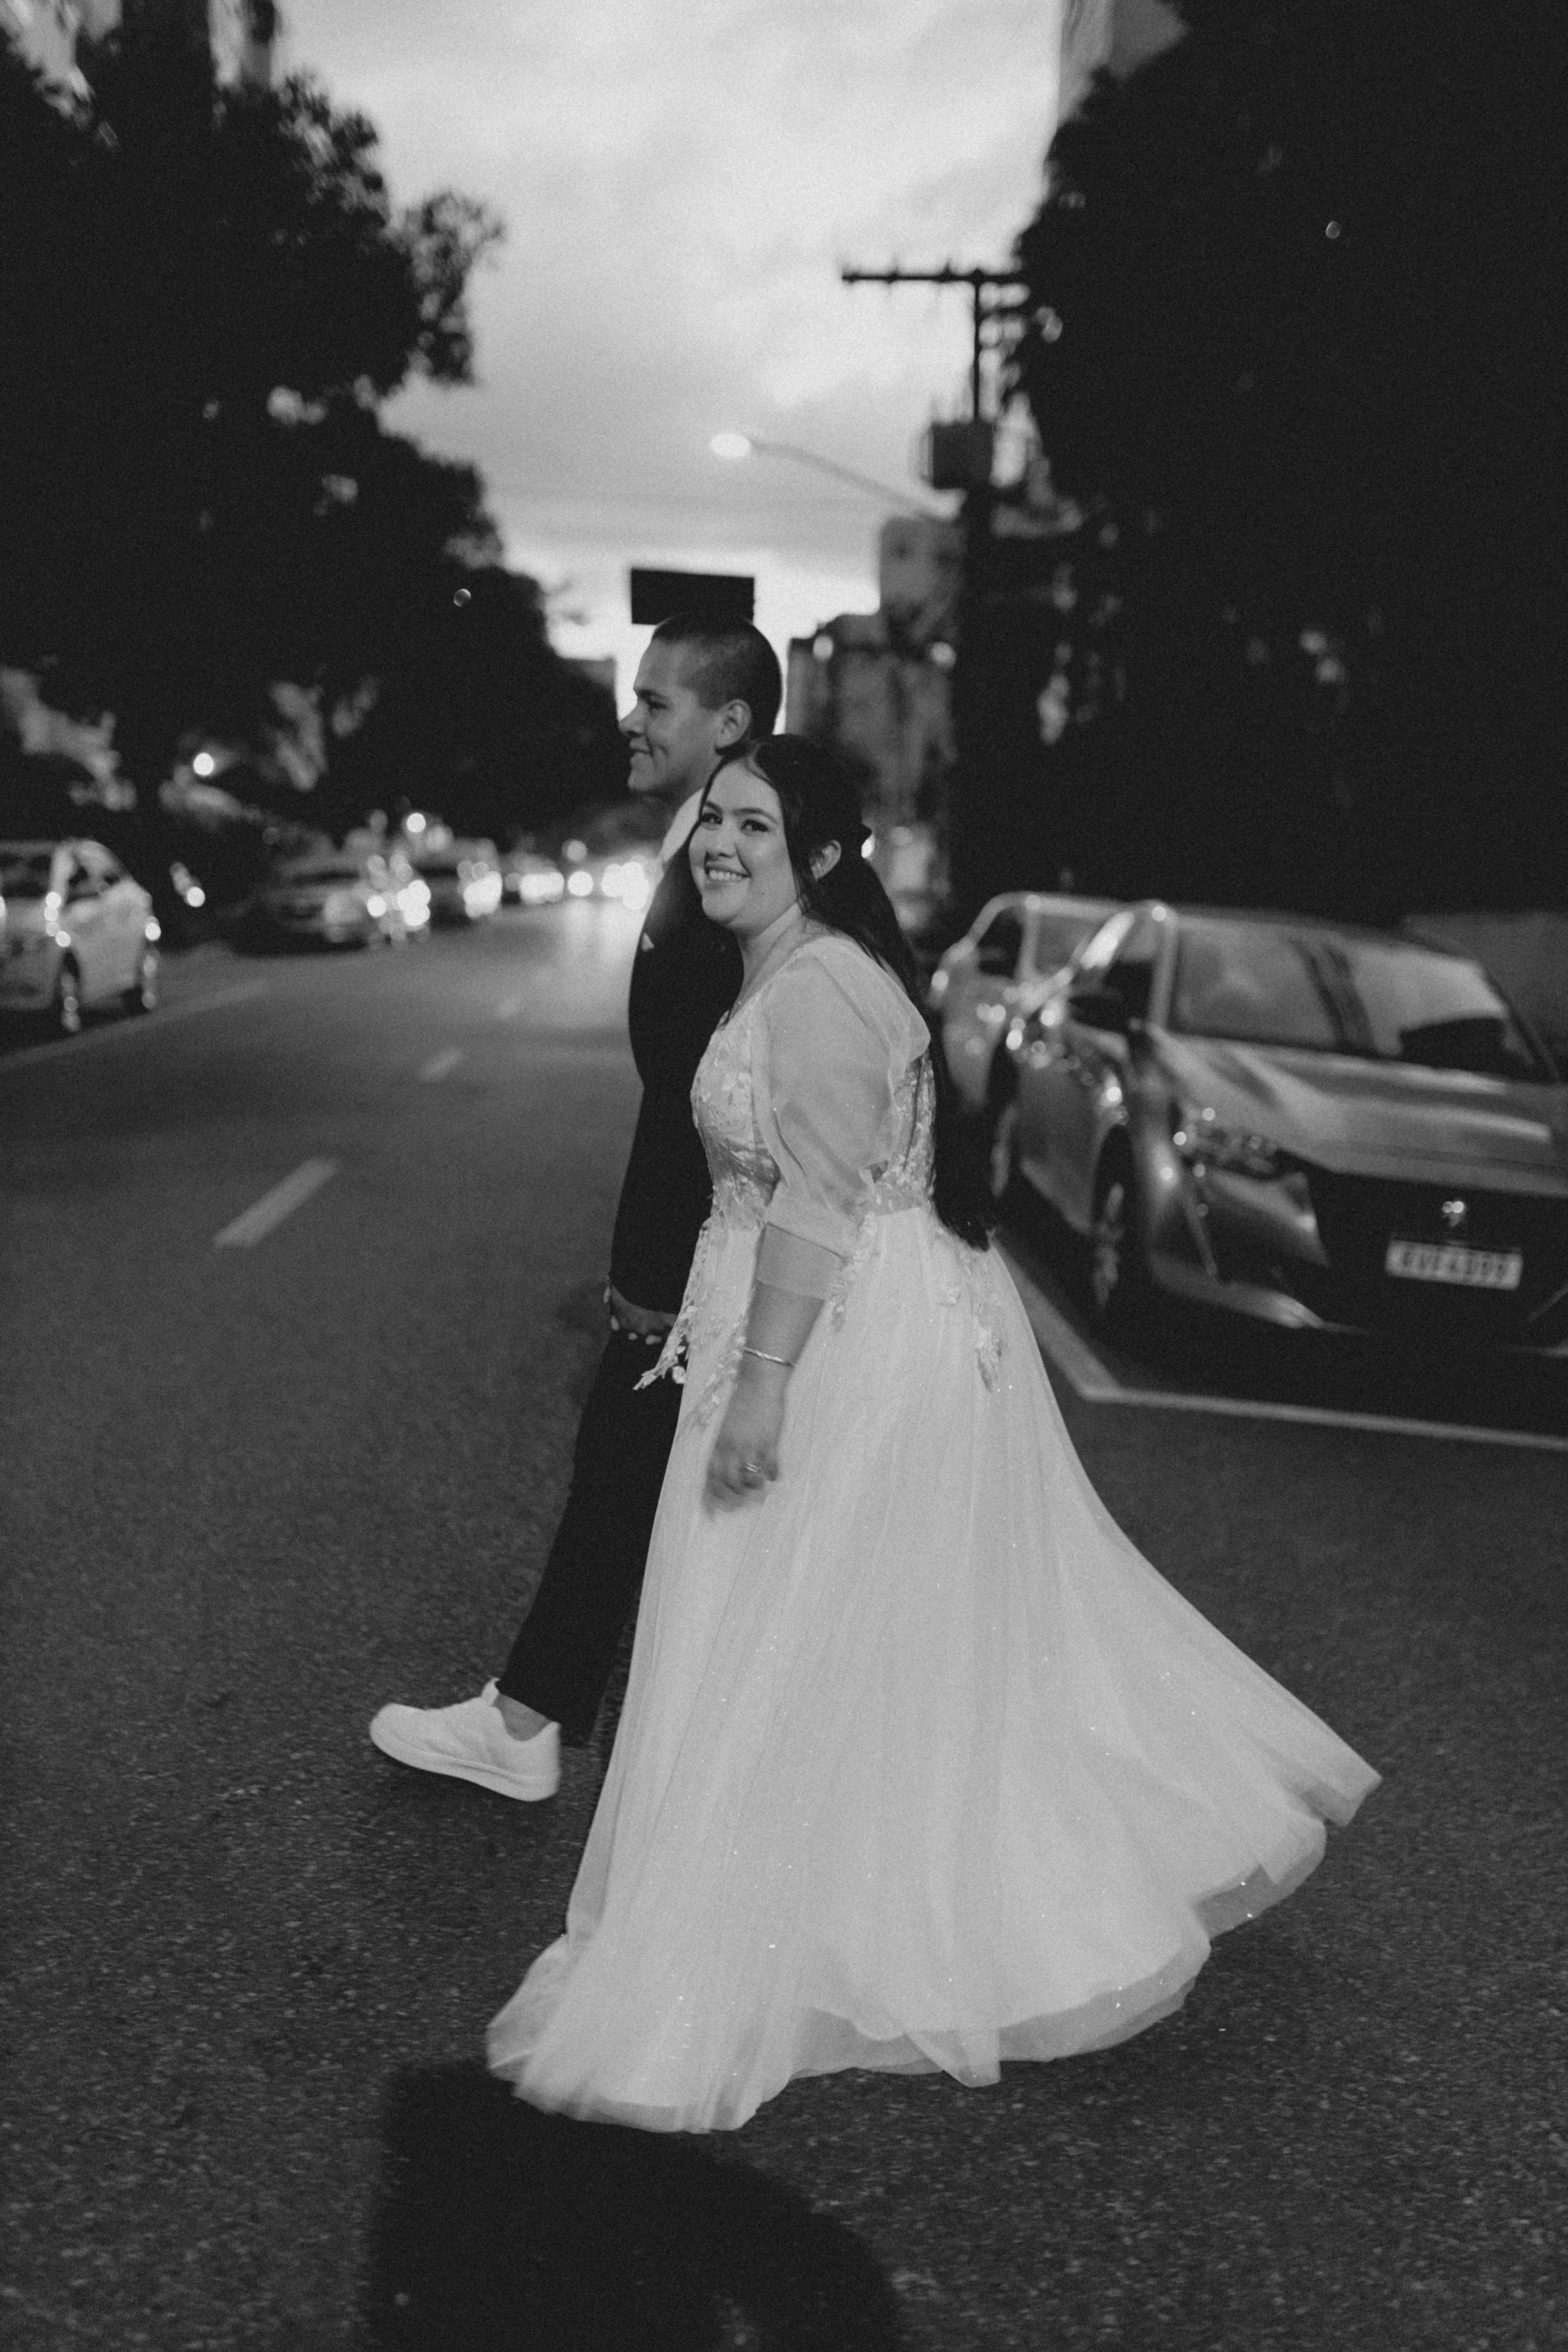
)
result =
(136, 1026)
(264, 1215)
(1096, 1383)
(440, 1066)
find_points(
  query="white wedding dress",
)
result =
(920, 1764)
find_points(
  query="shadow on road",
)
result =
(501, 2226)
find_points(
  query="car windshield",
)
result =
(313, 873)
(443, 870)
(1330, 993)
(25, 873)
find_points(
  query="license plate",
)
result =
(1474, 1269)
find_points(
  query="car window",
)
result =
(1332, 993)
(999, 945)
(112, 871)
(1057, 938)
(83, 882)
(1129, 974)
(25, 873)
(1098, 950)
(1251, 984)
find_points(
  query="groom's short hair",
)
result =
(727, 661)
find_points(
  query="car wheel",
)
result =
(65, 1003)
(142, 996)
(1118, 1278)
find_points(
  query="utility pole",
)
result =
(960, 457)
(980, 282)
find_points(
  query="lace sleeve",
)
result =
(834, 1037)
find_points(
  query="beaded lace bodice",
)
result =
(745, 1175)
(871, 1163)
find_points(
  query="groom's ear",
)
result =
(824, 860)
(734, 724)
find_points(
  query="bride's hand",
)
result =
(745, 1458)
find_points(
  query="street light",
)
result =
(732, 446)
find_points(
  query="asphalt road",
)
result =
(264, 1471)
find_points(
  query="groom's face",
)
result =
(673, 736)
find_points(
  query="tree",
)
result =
(477, 719)
(1297, 283)
(207, 294)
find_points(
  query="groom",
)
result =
(701, 687)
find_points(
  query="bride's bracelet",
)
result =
(764, 1358)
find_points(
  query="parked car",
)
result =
(464, 882)
(530, 878)
(79, 932)
(1016, 943)
(341, 898)
(1305, 1122)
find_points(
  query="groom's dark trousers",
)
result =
(686, 976)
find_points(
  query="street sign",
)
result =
(717, 595)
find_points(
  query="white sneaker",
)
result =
(470, 1742)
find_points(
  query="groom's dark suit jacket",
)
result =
(686, 976)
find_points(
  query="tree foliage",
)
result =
(207, 294)
(1295, 351)
(479, 718)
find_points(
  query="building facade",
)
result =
(878, 687)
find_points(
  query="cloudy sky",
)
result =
(680, 181)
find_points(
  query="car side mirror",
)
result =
(1100, 1008)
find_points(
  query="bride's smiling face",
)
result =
(740, 858)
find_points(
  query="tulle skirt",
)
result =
(922, 1764)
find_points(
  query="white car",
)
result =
(1016, 945)
(78, 932)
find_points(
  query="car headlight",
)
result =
(1204, 1142)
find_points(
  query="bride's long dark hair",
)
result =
(819, 804)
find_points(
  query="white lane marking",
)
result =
(440, 1066)
(1326, 1417)
(135, 1025)
(259, 1219)
(1096, 1384)
(511, 1006)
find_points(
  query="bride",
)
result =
(922, 1764)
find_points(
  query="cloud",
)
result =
(681, 180)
